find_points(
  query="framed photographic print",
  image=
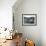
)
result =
(29, 19)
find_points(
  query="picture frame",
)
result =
(29, 19)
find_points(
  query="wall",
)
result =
(43, 22)
(28, 7)
(6, 13)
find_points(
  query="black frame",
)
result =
(30, 17)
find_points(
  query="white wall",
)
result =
(43, 22)
(6, 13)
(28, 7)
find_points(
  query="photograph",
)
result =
(29, 19)
(22, 22)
